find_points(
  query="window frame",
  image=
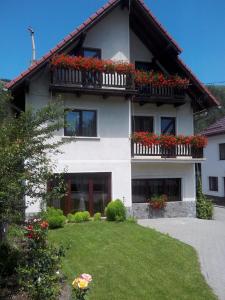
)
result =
(212, 187)
(98, 51)
(143, 116)
(81, 110)
(164, 180)
(221, 156)
(175, 124)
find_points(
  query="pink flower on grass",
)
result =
(86, 277)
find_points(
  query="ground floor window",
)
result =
(143, 189)
(86, 191)
(213, 184)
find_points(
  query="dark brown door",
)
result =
(88, 191)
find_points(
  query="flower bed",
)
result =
(156, 79)
(169, 141)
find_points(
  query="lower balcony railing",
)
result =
(139, 149)
(160, 91)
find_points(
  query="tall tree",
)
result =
(26, 145)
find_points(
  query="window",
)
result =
(140, 123)
(91, 52)
(222, 151)
(143, 189)
(213, 184)
(81, 123)
(168, 125)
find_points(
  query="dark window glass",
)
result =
(213, 184)
(222, 151)
(140, 123)
(90, 52)
(143, 66)
(81, 123)
(144, 189)
(168, 125)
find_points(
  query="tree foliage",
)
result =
(202, 121)
(26, 144)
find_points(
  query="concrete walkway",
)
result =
(207, 237)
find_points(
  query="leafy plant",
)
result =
(204, 206)
(38, 271)
(54, 217)
(86, 215)
(78, 217)
(97, 216)
(116, 211)
(158, 201)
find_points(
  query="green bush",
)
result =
(97, 216)
(131, 220)
(204, 207)
(116, 211)
(70, 218)
(78, 217)
(86, 215)
(56, 221)
(54, 217)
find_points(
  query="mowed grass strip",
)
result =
(130, 262)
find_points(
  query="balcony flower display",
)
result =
(158, 201)
(91, 64)
(159, 79)
(168, 141)
(153, 78)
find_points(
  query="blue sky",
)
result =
(198, 26)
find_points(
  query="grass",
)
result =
(129, 262)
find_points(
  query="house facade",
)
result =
(213, 169)
(104, 109)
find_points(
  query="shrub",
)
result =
(37, 272)
(78, 217)
(132, 220)
(204, 207)
(116, 211)
(70, 218)
(54, 217)
(97, 216)
(86, 215)
(56, 221)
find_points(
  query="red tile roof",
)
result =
(91, 21)
(216, 128)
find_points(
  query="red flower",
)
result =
(44, 225)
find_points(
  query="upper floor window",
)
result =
(91, 52)
(81, 123)
(168, 125)
(213, 184)
(222, 151)
(142, 123)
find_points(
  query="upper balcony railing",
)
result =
(90, 74)
(91, 79)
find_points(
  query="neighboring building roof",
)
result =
(216, 128)
(92, 20)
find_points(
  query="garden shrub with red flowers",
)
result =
(38, 271)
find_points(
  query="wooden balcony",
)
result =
(95, 82)
(91, 81)
(187, 151)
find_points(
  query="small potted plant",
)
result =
(158, 201)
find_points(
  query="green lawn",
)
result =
(130, 262)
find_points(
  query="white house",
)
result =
(213, 169)
(102, 161)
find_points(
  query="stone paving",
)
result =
(206, 236)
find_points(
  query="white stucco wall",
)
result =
(183, 115)
(169, 170)
(138, 51)
(111, 35)
(213, 166)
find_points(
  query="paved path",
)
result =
(207, 237)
